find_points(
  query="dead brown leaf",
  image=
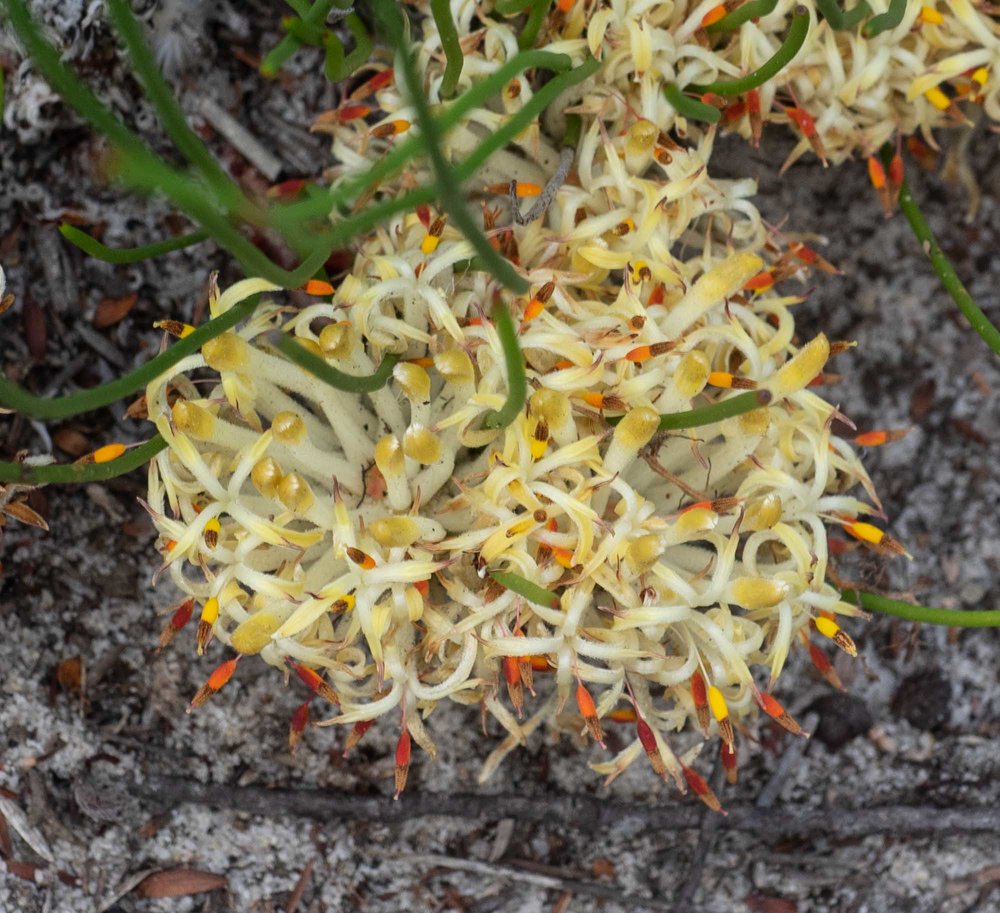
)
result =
(20, 511)
(765, 903)
(180, 883)
(72, 442)
(111, 310)
(35, 333)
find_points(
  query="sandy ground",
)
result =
(919, 728)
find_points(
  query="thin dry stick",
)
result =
(579, 811)
(548, 193)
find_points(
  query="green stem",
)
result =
(945, 271)
(754, 9)
(517, 381)
(448, 185)
(349, 383)
(474, 97)
(362, 43)
(768, 70)
(533, 24)
(100, 251)
(145, 170)
(14, 397)
(953, 618)
(843, 20)
(133, 458)
(690, 108)
(524, 587)
(288, 45)
(887, 20)
(441, 9)
(169, 112)
(709, 415)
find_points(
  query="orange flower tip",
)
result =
(930, 16)
(585, 704)
(402, 762)
(896, 171)
(424, 215)
(729, 763)
(362, 560)
(728, 381)
(696, 783)
(389, 129)
(352, 112)
(714, 99)
(318, 287)
(644, 353)
(104, 454)
(716, 13)
(876, 173)
(760, 283)
(564, 6)
(356, 734)
(622, 715)
(174, 328)
(880, 437)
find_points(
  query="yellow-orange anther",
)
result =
(937, 98)
(391, 128)
(930, 16)
(318, 287)
(796, 373)
(880, 437)
(253, 634)
(640, 271)
(227, 352)
(363, 560)
(539, 440)
(192, 419)
(336, 340)
(563, 556)
(876, 173)
(521, 188)
(700, 697)
(402, 762)
(294, 492)
(759, 283)
(830, 629)
(624, 227)
(720, 710)
(422, 445)
(691, 374)
(174, 328)
(865, 532)
(288, 428)
(266, 475)
(980, 76)
(727, 754)
(585, 704)
(210, 534)
(433, 236)
(757, 592)
(209, 615)
(315, 682)
(395, 532)
(696, 783)
(716, 13)
(300, 720)
(108, 452)
(216, 680)
(717, 703)
(776, 712)
(730, 381)
(643, 353)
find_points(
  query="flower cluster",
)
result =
(650, 528)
